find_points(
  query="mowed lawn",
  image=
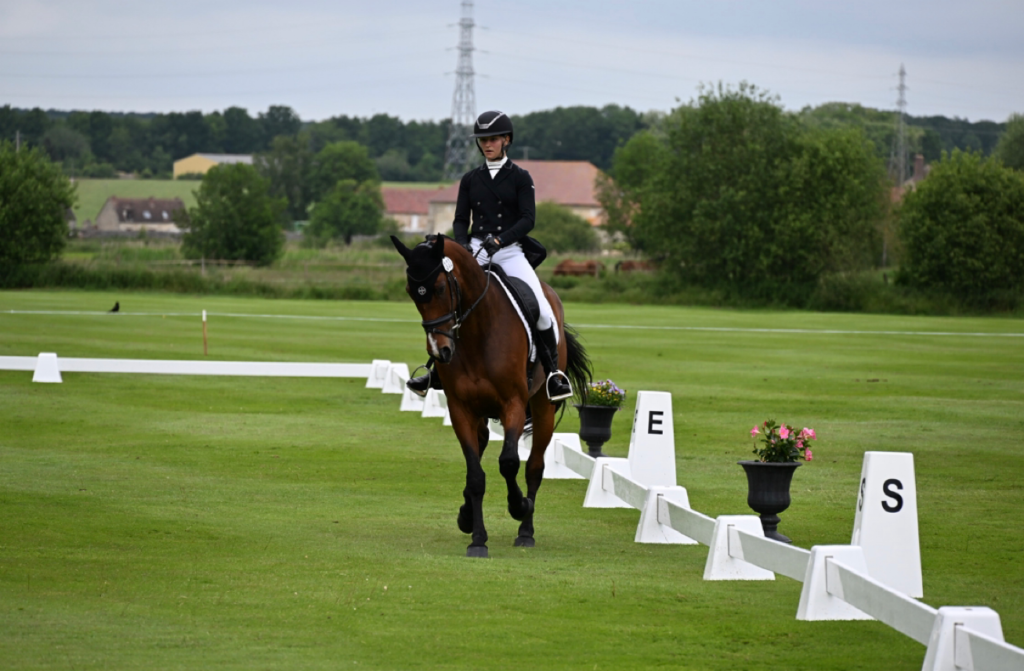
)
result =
(198, 522)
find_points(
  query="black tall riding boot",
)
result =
(420, 385)
(557, 384)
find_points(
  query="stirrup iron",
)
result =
(547, 388)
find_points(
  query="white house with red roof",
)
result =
(409, 206)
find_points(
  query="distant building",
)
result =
(570, 184)
(921, 171)
(135, 214)
(201, 163)
(409, 206)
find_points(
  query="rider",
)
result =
(499, 196)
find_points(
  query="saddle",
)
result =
(525, 302)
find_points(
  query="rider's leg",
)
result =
(420, 385)
(512, 260)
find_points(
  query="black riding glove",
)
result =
(491, 245)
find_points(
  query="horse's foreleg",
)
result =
(471, 514)
(508, 461)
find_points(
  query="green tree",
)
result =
(560, 230)
(287, 166)
(278, 120)
(235, 217)
(350, 208)
(636, 165)
(340, 161)
(962, 229)
(1010, 149)
(744, 198)
(34, 199)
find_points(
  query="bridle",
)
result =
(455, 313)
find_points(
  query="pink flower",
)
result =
(807, 434)
(754, 432)
(807, 454)
(784, 432)
(799, 444)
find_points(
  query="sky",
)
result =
(328, 58)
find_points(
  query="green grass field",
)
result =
(185, 522)
(93, 193)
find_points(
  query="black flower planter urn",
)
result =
(596, 426)
(768, 492)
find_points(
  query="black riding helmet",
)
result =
(490, 124)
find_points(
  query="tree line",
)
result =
(101, 144)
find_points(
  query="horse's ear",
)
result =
(402, 249)
(439, 246)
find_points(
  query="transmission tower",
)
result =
(458, 154)
(898, 160)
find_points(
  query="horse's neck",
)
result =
(484, 316)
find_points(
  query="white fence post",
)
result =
(721, 563)
(378, 371)
(47, 369)
(554, 457)
(820, 600)
(411, 402)
(395, 378)
(944, 653)
(885, 525)
(650, 529)
(597, 495)
(435, 404)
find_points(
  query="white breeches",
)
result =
(514, 263)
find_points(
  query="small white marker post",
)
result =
(885, 526)
(204, 333)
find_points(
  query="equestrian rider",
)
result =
(499, 197)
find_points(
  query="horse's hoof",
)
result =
(525, 542)
(465, 521)
(477, 551)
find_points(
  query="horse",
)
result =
(475, 335)
(634, 266)
(570, 267)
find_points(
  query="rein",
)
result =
(431, 326)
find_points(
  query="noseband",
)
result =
(432, 326)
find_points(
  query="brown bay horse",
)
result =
(481, 347)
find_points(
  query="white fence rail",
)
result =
(172, 367)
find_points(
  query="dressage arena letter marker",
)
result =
(652, 445)
(46, 368)
(885, 525)
(378, 371)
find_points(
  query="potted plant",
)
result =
(769, 478)
(600, 403)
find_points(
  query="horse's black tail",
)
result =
(579, 369)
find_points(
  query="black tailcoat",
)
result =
(503, 206)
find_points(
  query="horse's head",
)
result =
(432, 281)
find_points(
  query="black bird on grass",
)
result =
(117, 307)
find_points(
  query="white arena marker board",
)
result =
(650, 530)
(378, 373)
(885, 526)
(46, 368)
(652, 444)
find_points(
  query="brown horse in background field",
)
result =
(570, 267)
(475, 334)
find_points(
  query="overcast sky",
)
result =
(330, 57)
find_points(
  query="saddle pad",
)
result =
(517, 295)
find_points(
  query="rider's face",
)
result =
(493, 147)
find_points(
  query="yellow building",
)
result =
(201, 163)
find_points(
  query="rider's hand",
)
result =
(491, 245)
